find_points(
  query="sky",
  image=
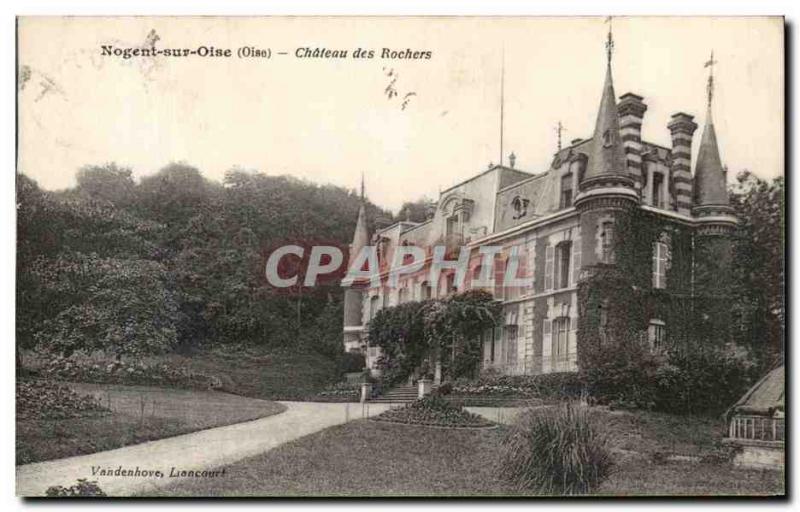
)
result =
(330, 120)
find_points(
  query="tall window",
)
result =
(511, 343)
(563, 258)
(373, 306)
(402, 295)
(656, 334)
(660, 265)
(560, 337)
(658, 190)
(607, 242)
(566, 191)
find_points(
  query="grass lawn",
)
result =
(256, 372)
(138, 414)
(364, 458)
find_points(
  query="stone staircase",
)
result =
(397, 395)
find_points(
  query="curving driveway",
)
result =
(203, 450)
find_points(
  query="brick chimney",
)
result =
(682, 127)
(631, 112)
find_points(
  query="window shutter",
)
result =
(548, 268)
(576, 261)
(655, 265)
(547, 333)
(499, 275)
(530, 271)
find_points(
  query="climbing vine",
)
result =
(412, 336)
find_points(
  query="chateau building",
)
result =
(610, 202)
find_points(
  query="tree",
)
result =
(759, 263)
(416, 211)
(108, 182)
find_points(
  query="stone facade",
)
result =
(564, 222)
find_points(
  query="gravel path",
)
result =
(198, 451)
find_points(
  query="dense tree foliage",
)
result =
(174, 261)
(759, 263)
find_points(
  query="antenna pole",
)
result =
(502, 99)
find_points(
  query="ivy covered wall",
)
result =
(617, 298)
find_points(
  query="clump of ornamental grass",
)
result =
(556, 451)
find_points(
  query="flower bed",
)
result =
(555, 386)
(340, 392)
(127, 373)
(433, 411)
(41, 399)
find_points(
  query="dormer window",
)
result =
(566, 191)
(657, 198)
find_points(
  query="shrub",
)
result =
(433, 410)
(127, 373)
(556, 451)
(48, 400)
(702, 380)
(351, 362)
(82, 489)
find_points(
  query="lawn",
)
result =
(256, 372)
(367, 458)
(138, 414)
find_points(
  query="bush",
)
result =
(351, 362)
(435, 411)
(82, 489)
(127, 373)
(692, 379)
(47, 400)
(702, 380)
(556, 452)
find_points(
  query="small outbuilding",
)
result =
(756, 423)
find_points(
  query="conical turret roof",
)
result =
(709, 176)
(361, 234)
(607, 155)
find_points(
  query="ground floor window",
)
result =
(561, 337)
(512, 332)
(656, 334)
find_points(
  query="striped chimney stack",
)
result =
(682, 127)
(631, 110)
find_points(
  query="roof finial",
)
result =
(559, 131)
(363, 195)
(610, 40)
(710, 87)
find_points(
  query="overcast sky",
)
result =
(329, 120)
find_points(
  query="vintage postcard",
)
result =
(400, 257)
